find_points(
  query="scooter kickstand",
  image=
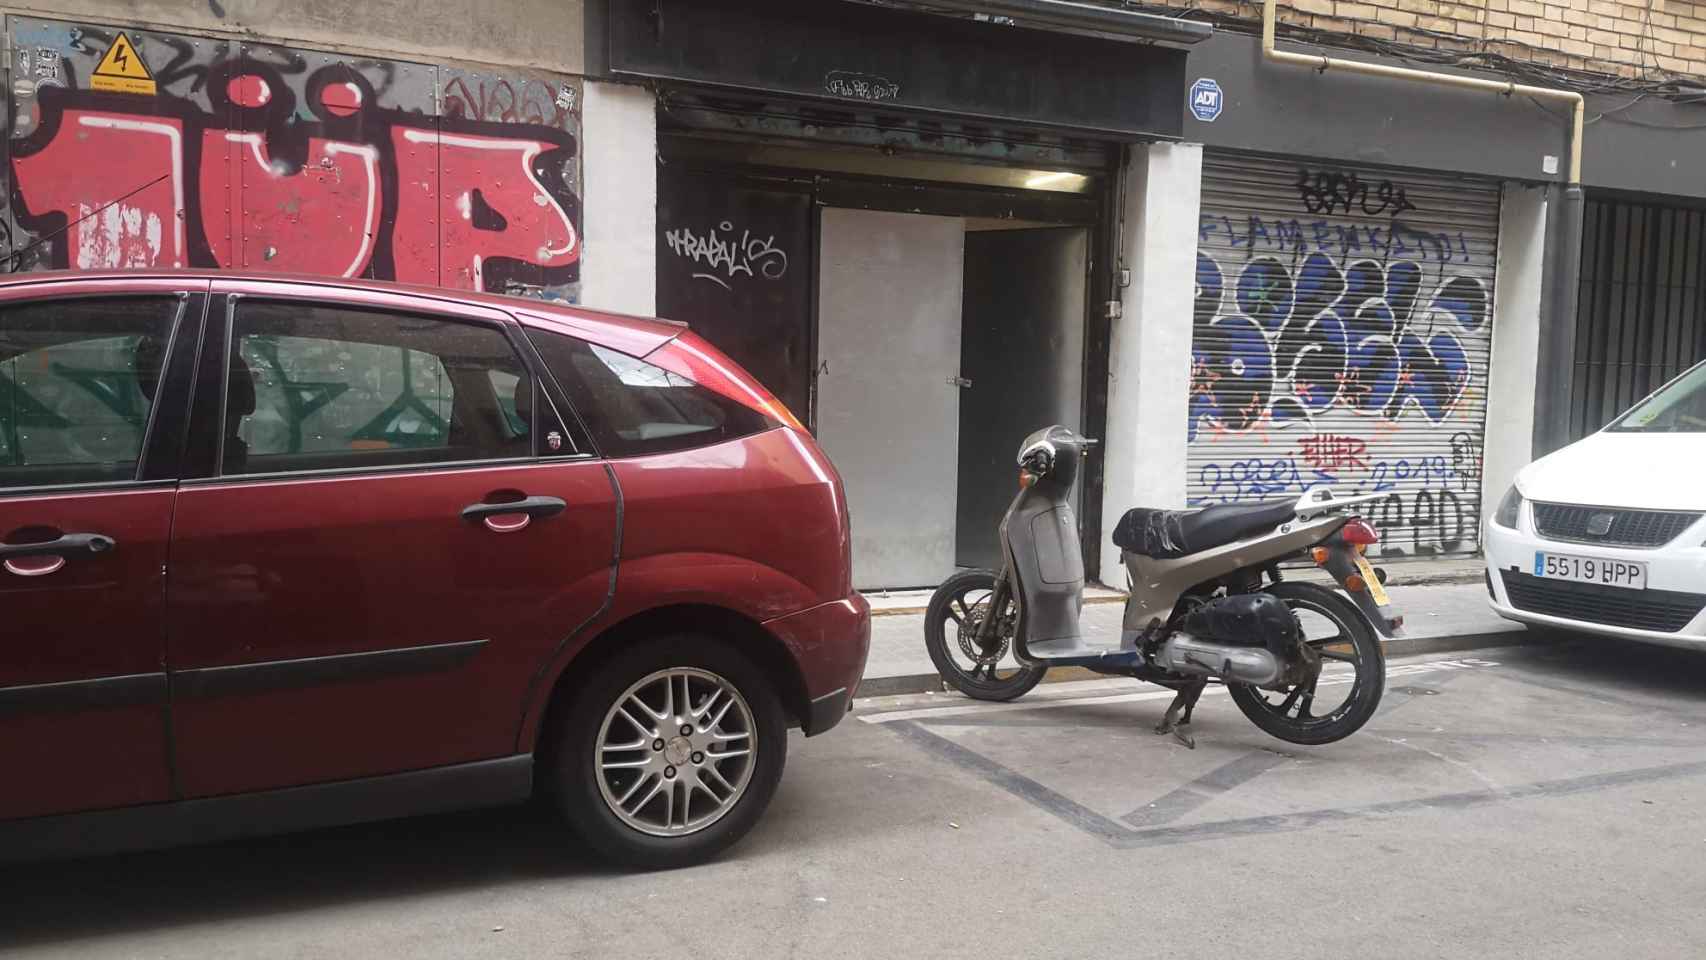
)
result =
(1184, 702)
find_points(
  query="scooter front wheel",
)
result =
(951, 625)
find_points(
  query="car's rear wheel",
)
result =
(669, 751)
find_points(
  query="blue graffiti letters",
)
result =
(1287, 344)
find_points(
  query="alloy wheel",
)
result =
(675, 752)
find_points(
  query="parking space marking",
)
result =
(1328, 677)
(1155, 824)
(1221, 829)
(1174, 804)
(1015, 783)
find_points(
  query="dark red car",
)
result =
(280, 553)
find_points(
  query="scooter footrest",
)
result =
(1068, 654)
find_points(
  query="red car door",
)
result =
(380, 557)
(89, 430)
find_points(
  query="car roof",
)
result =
(627, 333)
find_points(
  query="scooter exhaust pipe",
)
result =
(1183, 653)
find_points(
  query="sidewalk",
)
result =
(1444, 605)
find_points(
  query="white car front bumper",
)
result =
(1671, 611)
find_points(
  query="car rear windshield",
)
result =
(1678, 408)
(633, 407)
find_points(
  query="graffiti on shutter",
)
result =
(1342, 330)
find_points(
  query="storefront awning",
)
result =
(1069, 15)
(830, 53)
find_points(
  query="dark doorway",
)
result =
(734, 261)
(1021, 364)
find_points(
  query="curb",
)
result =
(1399, 647)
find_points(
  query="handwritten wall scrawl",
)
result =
(725, 254)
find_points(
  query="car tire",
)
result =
(597, 777)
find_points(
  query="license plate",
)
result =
(1627, 574)
(1375, 589)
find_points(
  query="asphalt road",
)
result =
(1533, 801)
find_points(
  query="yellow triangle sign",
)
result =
(121, 70)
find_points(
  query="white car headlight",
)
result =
(1509, 509)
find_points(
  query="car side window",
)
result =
(633, 407)
(318, 387)
(77, 385)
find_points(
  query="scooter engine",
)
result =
(1248, 638)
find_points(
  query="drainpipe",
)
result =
(1561, 283)
(1562, 272)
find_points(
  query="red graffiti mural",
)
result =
(117, 181)
(74, 177)
(498, 206)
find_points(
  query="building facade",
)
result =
(933, 228)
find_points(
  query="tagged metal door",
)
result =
(1341, 333)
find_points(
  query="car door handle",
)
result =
(513, 515)
(49, 555)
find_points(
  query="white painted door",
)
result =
(889, 297)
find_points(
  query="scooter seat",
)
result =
(1169, 534)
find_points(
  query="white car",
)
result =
(1608, 535)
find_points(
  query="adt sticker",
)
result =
(1206, 100)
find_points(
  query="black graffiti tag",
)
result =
(1330, 191)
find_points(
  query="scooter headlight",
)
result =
(1037, 458)
(1510, 508)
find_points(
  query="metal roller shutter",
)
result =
(1342, 328)
(1641, 317)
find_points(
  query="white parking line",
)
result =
(1343, 675)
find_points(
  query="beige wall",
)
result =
(1601, 36)
(544, 34)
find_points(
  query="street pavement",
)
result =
(1519, 801)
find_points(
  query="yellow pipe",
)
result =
(1324, 63)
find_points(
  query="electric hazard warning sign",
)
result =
(121, 70)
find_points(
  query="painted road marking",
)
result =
(1335, 676)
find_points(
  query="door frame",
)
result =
(1054, 209)
(1097, 210)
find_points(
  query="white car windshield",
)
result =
(1678, 408)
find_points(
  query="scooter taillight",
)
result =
(1358, 533)
(1026, 478)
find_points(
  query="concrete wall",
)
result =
(513, 33)
(1516, 341)
(1292, 111)
(1149, 361)
(619, 271)
(1647, 146)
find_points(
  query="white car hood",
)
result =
(1651, 471)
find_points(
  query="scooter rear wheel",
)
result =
(956, 609)
(1347, 645)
